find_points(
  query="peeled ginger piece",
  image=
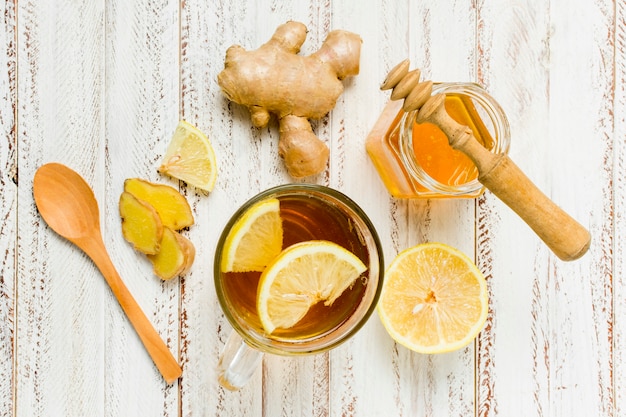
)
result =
(172, 206)
(175, 257)
(141, 225)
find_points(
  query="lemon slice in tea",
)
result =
(255, 239)
(301, 276)
(434, 299)
(190, 157)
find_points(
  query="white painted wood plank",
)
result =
(619, 211)
(8, 204)
(60, 302)
(442, 42)
(512, 45)
(363, 365)
(141, 113)
(542, 321)
(582, 128)
(204, 31)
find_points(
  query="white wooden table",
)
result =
(100, 85)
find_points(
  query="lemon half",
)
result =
(434, 299)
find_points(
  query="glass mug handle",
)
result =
(237, 363)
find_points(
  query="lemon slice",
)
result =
(255, 239)
(190, 157)
(434, 299)
(301, 276)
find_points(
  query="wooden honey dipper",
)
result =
(567, 238)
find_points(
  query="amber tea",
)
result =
(304, 218)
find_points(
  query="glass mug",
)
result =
(308, 212)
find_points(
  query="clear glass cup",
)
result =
(309, 212)
(392, 149)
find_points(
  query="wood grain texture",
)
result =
(588, 309)
(141, 113)
(619, 210)
(206, 33)
(350, 376)
(546, 120)
(443, 56)
(59, 290)
(100, 87)
(8, 205)
(512, 45)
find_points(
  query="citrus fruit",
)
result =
(255, 239)
(434, 299)
(301, 276)
(190, 157)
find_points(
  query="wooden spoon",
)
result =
(68, 205)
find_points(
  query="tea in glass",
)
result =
(308, 212)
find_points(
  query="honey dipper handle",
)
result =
(567, 238)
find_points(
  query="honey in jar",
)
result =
(415, 160)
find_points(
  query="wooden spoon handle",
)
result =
(567, 238)
(157, 349)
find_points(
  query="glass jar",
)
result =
(415, 160)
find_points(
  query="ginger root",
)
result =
(275, 80)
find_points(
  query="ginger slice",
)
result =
(141, 224)
(175, 257)
(169, 203)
